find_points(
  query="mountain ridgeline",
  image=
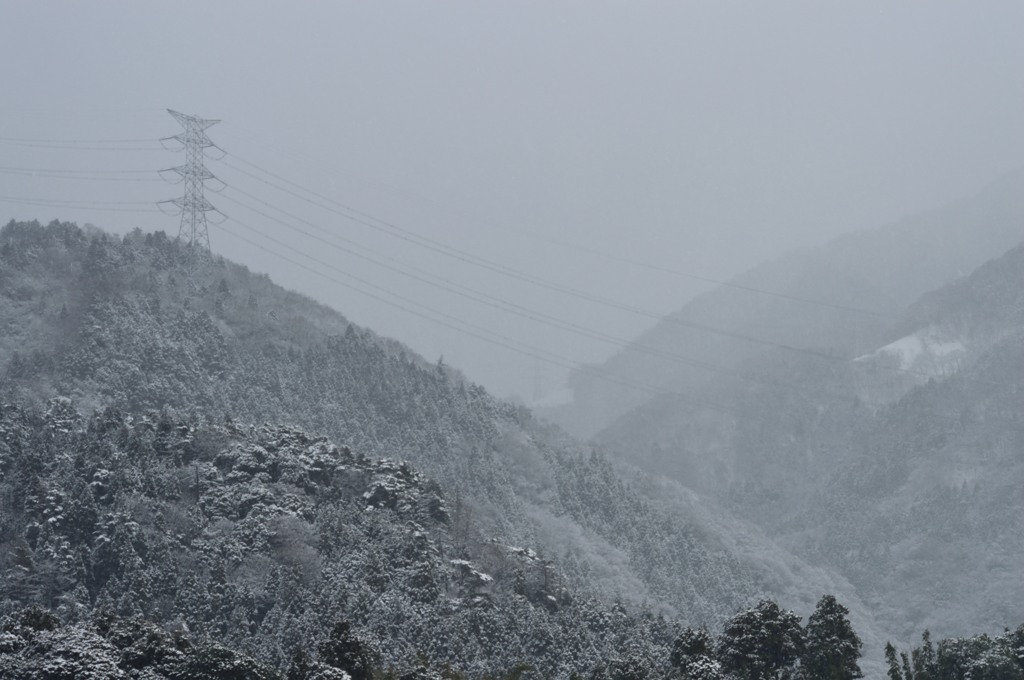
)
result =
(843, 297)
(895, 466)
(201, 449)
(119, 327)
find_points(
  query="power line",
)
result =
(82, 172)
(519, 310)
(506, 271)
(83, 205)
(503, 341)
(90, 145)
(22, 140)
(463, 327)
(504, 305)
(75, 147)
(200, 141)
(457, 289)
(618, 258)
(58, 201)
(75, 176)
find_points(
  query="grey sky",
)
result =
(701, 137)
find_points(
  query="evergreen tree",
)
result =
(923, 659)
(693, 655)
(692, 642)
(763, 643)
(969, 658)
(832, 647)
(894, 671)
(345, 651)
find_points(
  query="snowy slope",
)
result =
(126, 331)
(880, 271)
(900, 470)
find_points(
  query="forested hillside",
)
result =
(915, 498)
(843, 297)
(266, 538)
(931, 507)
(119, 323)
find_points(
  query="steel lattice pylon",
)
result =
(194, 175)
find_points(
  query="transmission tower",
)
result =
(193, 206)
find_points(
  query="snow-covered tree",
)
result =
(693, 656)
(832, 647)
(763, 643)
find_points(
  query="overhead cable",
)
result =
(620, 258)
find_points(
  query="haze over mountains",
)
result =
(702, 138)
(887, 449)
(118, 323)
(842, 297)
(860, 435)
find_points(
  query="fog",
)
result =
(627, 152)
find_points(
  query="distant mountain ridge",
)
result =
(118, 323)
(879, 272)
(901, 469)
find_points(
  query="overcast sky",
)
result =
(549, 142)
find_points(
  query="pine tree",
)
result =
(691, 644)
(832, 646)
(345, 651)
(894, 671)
(924, 658)
(762, 643)
(693, 655)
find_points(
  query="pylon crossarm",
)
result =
(185, 172)
(186, 120)
(188, 138)
(174, 138)
(220, 185)
(167, 178)
(223, 153)
(162, 206)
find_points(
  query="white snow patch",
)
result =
(925, 350)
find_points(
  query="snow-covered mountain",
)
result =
(900, 469)
(117, 323)
(842, 297)
(949, 328)
(926, 352)
(787, 482)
